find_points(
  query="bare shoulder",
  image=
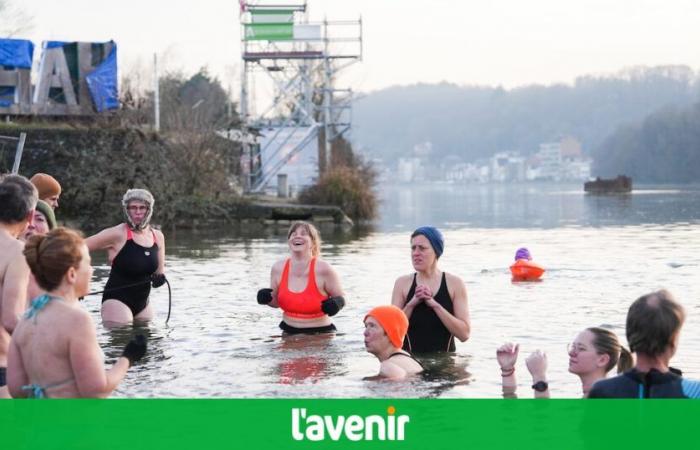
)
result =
(404, 281)
(15, 247)
(159, 235)
(391, 370)
(278, 266)
(12, 250)
(453, 279)
(323, 268)
(79, 319)
(111, 233)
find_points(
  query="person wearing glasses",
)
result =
(592, 355)
(136, 252)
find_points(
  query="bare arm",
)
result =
(391, 371)
(331, 280)
(16, 375)
(14, 292)
(161, 251)
(275, 276)
(507, 356)
(398, 297)
(459, 323)
(103, 240)
(91, 378)
(537, 365)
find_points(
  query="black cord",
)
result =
(116, 288)
(170, 294)
(170, 301)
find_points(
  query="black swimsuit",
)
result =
(426, 332)
(130, 278)
(407, 355)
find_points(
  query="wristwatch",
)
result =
(540, 386)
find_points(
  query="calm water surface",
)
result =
(601, 253)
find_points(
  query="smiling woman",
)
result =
(306, 288)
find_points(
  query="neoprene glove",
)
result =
(264, 296)
(332, 305)
(135, 349)
(157, 280)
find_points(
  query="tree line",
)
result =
(476, 121)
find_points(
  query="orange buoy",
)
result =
(524, 270)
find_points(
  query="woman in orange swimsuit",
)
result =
(306, 288)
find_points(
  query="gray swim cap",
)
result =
(143, 196)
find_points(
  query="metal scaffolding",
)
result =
(299, 60)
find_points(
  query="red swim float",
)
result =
(524, 270)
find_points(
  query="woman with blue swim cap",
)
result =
(434, 301)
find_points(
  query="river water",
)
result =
(601, 253)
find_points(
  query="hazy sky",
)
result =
(501, 42)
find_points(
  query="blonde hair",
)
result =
(313, 233)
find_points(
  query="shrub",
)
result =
(345, 187)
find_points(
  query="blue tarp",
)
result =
(54, 44)
(16, 53)
(102, 83)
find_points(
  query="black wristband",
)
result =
(540, 386)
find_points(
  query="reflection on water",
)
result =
(533, 205)
(601, 253)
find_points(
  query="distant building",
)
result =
(559, 161)
(507, 166)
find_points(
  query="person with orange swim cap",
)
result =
(49, 189)
(385, 329)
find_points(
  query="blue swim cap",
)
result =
(434, 236)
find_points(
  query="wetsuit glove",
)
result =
(264, 296)
(135, 349)
(157, 280)
(332, 305)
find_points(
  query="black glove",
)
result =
(135, 349)
(157, 280)
(264, 296)
(332, 305)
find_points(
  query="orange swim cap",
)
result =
(46, 185)
(393, 320)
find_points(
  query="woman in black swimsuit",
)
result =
(136, 252)
(435, 302)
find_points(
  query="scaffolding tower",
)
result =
(299, 60)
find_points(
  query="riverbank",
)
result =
(194, 177)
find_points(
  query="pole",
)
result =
(156, 94)
(327, 97)
(18, 153)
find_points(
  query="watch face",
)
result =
(540, 386)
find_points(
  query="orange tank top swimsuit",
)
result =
(301, 305)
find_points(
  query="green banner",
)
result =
(269, 32)
(272, 16)
(341, 424)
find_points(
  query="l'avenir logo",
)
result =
(314, 427)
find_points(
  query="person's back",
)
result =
(44, 342)
(652, 384)
(653, 327)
